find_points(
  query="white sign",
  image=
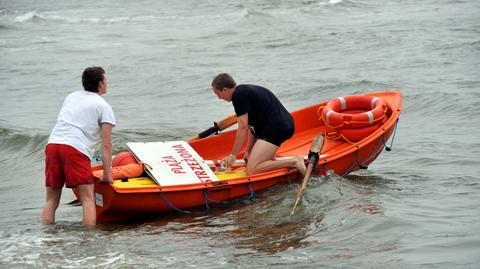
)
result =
(172, 163)
(99, 199)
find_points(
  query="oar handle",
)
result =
(227, 122)
(217, 126)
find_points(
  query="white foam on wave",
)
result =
(73, 19)
(53, 16)
(334, 2)
(330, 2)
(31, 249)
(300, 11)
(243, 13)
(26, 17)
(14, 244)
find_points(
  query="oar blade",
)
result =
(317, 143)
(313, 156)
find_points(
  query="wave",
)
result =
(34, 16)
(29, 16)
(257, 11)
(54, 16)
(29, 144)
(340, 88)
(269, 13)
(314, 6)
(21, 143)
(21, 154)
(331, 2)
(449, 104)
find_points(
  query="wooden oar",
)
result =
(313, 156)
(217, 126)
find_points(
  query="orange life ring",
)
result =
(354, 111)
(358, 134)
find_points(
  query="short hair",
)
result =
(223, 80)
(91, 77)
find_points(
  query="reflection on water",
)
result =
(367, 186)
(260, 225)
(367, 208)
(265, 225)
(271, 232)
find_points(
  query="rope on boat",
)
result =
(207, 199)
(207, 206)
(360, 166)
(205, 194)
(377, 151)
(393, 137)
(394, 132)
(252, 193)
(172, 206)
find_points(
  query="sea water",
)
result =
(416, 206)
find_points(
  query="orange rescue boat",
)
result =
(371, 117)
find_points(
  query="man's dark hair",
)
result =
(91, 77)
(223, 80)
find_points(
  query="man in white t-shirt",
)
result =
(84, 121)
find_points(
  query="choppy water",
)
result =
(416, 207)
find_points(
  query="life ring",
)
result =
(358, 134)
(354, 111)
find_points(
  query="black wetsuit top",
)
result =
(268, 119)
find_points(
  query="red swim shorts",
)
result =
(65, 164)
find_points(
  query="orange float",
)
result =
(354, 111)
(123, 171)
(354, 117)
(123, 158)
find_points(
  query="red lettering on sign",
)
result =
(191, 162)
(174, 164)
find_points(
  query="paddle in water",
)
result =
(217, 126)
(313, 156)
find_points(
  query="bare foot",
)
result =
(300, 165)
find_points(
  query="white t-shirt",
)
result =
(79, 120)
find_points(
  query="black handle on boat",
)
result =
(209, 131)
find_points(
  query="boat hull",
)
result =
(114, 203)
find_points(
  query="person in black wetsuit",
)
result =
(264, 118)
